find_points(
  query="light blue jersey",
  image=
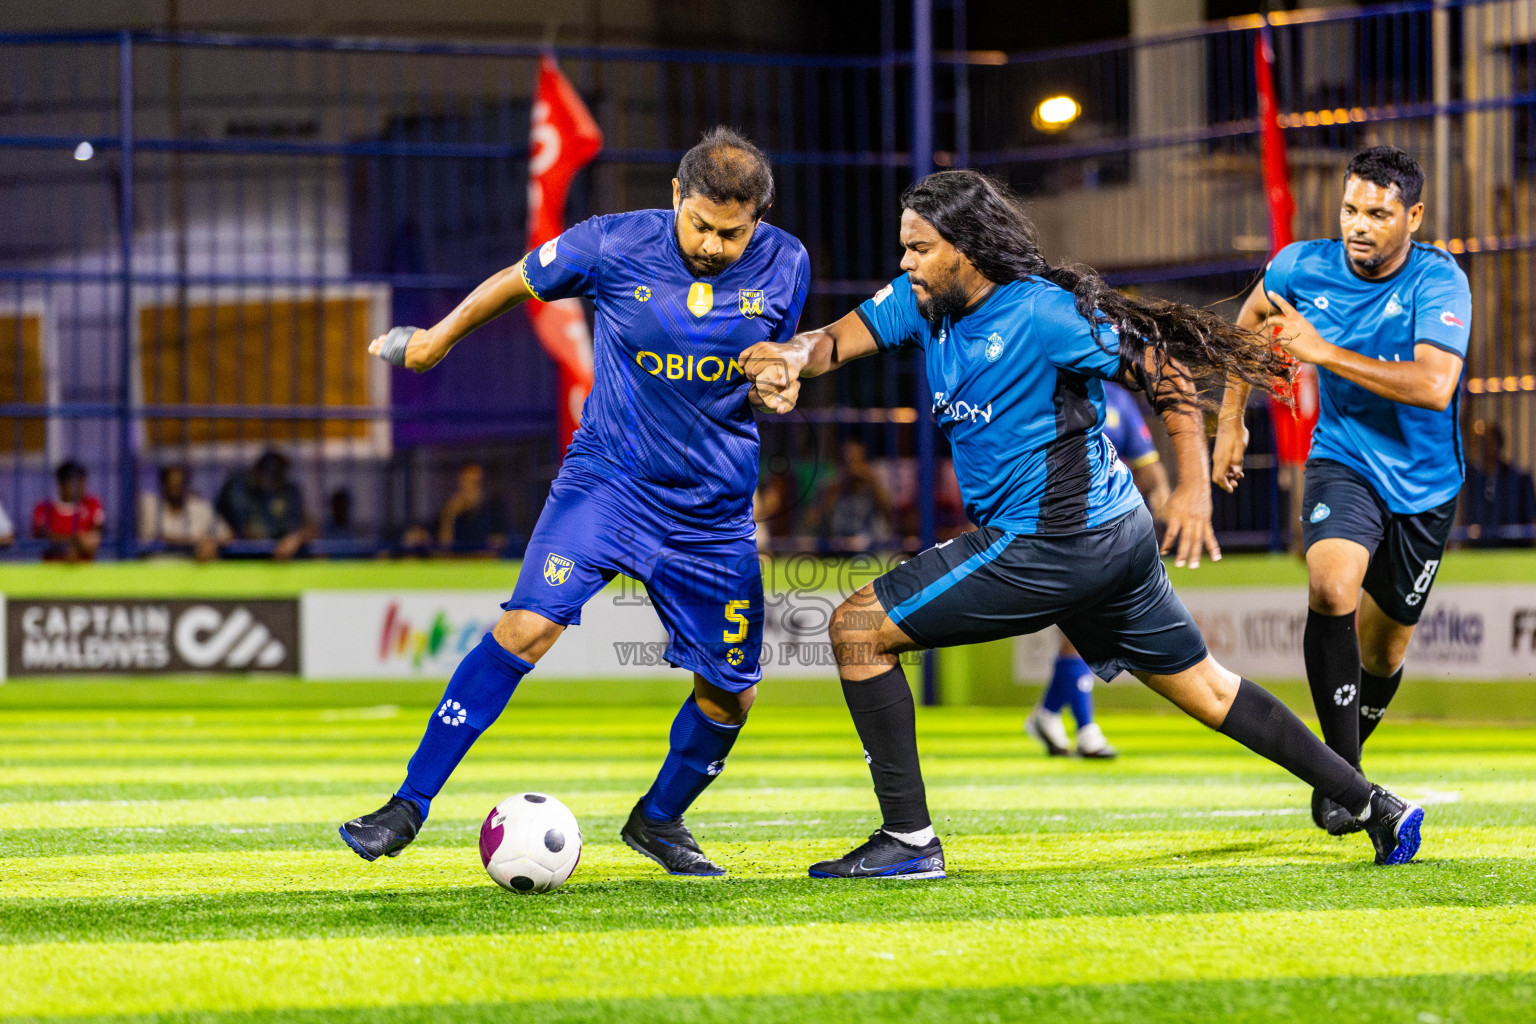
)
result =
(1018, 388)
(1411, 456)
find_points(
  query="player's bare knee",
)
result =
(526, 634)
(728, 707)
(1383, 660)
(1332, 597)
(1211, 695)
(851, 632)
(1221, 685)
(1204, 692)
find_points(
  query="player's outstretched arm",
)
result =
(1429, 380)
(1231, 434)
(420, 350)
(1188, 509)
(775, 368)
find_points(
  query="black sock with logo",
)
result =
(1259, 721)
(886, 718)
(1376, 693)
(1332, 654)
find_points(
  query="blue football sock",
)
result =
(1069, 669)
(1082, 696)
(699, 747)
(476, 695)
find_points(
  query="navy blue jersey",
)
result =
(1126, 429)
(1411, 456)
(1018, 388)
(668, 409)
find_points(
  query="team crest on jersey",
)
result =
(1394, 307)
(557, 569)
(643, 293)
(1321, 302)
(750, 302)
(547, 251)
(1321, 512)
(701, 298)
(1451, 319)
(994, 347)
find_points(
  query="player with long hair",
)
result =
(1017, 350)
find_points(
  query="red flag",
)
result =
(563, 138)
(1293, 426)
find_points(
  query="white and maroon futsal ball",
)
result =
(530, 843)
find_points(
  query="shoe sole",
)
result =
(357, 847)
(1408, 838)
(914, 876)
(1099, 755)
(680, 874)
(1039, 737)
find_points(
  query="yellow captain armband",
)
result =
(522, 266)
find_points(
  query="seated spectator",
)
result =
(71, 524)
(262, 504)
(470, 522)
(338, 525)
(416, 541)
(1497, 499)
(7, 531)
(178, 521)
(855, 510)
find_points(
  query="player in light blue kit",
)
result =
(657, 484)
(1017, 352)
(1386, 320)
(1071, 678)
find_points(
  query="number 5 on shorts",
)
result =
(733, 610)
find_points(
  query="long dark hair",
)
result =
(1191, 350)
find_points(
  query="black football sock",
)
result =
(886, 718)
(1267, 727)
(1332, 654)
(1376, 693)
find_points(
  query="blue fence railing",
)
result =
(194, 290)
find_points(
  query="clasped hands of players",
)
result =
(773, 369)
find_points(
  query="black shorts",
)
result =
(1405, 548)
(1105, 587)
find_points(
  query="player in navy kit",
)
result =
(1386, 320)
(657, 483)
(1016, 353)
(1071, 678)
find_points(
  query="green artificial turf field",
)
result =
(178, 861)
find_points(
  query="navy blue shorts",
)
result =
(1105, 587)
(1406, 548)
(706, 586)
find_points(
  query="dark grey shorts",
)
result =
(1105, 587)
(1405, 548)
